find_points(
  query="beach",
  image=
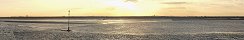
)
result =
(122, 29)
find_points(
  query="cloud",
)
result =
(131, 0)
(174, 3)
(176, 8)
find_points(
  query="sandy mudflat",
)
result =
(122, 29)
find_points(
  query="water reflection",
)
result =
(124, 21)
(129, 29)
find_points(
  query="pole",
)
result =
(69, 21)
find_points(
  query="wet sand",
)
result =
(122, 29)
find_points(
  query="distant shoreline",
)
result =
(115, 16)
(132, 17)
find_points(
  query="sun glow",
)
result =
(104, 7)
(134, 8)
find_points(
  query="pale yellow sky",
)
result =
(122, 7)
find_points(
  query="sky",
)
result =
(122, 7)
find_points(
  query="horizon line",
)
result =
(125, 16)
